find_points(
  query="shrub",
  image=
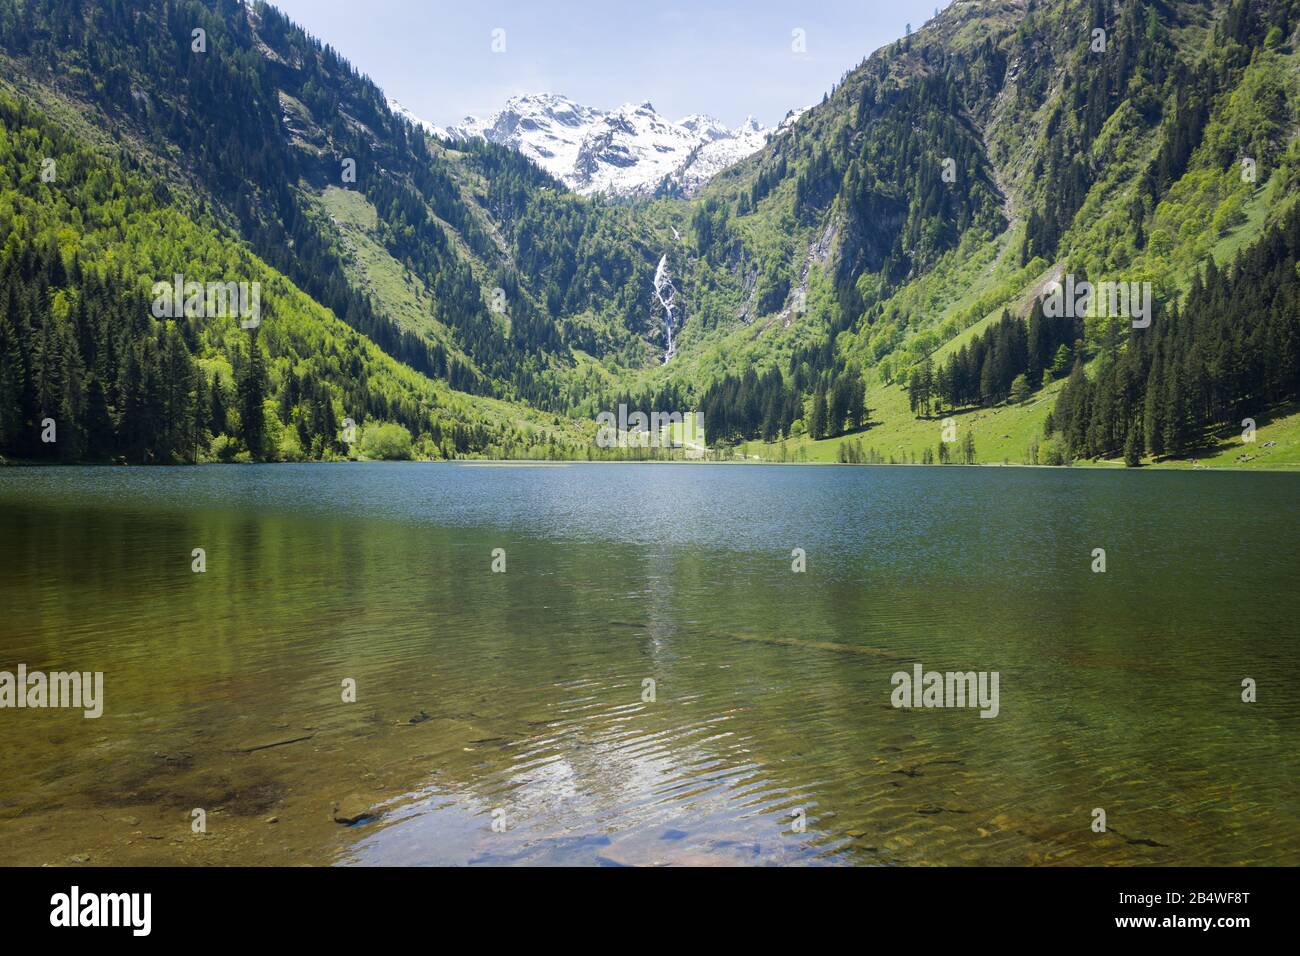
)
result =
(224, 448)
(385, 441)
(1050, 453)
(290, 448)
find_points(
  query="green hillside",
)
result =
(872, 272)
(83, 347)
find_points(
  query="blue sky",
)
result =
(726, 58)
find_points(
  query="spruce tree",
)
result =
(100, 437)
(817, 414)
(251, 391)
(1175, 424)
(968, 447)
(1133, 445)
(217, 416)
(1153, 419)
(11, 383)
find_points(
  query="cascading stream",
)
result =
(666, 293)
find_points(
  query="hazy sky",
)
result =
(727, 58)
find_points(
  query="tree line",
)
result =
(87, 372)
(1230, 353)
(766, 406)
(1010, 360)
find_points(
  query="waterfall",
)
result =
(666, 293)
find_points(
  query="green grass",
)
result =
(1002, 434)
(398, 292)
(1228, 449)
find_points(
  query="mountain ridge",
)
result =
(629, 151)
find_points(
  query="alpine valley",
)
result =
(865, 283)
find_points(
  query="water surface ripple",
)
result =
(506, 718)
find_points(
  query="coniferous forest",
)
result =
(1229, 353)
(879, 263)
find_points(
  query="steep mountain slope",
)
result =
(98, 360)
(402, 112)
(957, 172)
(267, 126)
(234, 109)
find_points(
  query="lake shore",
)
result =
(544, 463)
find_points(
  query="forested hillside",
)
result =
(1018, 144)
(1230, 353)
(877, 270)
(87, 370)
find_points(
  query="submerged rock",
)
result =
(353, 809)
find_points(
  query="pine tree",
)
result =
(177, 388)
(858, 402)
(138, 389)
(1175, 425)
(1153, 419)
(100, 437)
(251, 391)
(197, 429)
(817, 415)
(1061, 362)
(1133, 445)
(12, 376)
(927, 386)
(217, 415)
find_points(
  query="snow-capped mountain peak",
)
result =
(629, 151)
(705, 126)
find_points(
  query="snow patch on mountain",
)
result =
(629, 151)
(400, 110)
